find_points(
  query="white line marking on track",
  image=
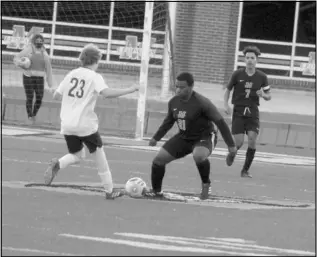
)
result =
(259, 158)
(211, 245)
(156, 246)
(13, 249)
(226, 243)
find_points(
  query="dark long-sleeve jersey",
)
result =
(195, 119)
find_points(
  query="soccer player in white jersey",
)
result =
(79, 123)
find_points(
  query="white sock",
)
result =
(104, 170)
(106, 181)
(67, 160)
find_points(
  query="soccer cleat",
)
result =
(114, 194)
(245, 174)
(205, 191)
(150, 193)
(230, 158)
(51, 171)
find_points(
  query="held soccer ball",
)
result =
(25, 62)
(134, 187)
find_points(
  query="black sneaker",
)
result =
(245, 174)
(150, 193)
(230, 158)
(115, 194)
(205, 191)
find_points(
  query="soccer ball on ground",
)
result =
(25, 62)
(134, 187)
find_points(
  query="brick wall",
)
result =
(205, 39)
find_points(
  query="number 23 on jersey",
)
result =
(77, 90)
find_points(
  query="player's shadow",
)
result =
(213, 198)
(98, 189)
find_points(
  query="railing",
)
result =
(67, 47)
(71, 45)
(288, 65)
(292, 66)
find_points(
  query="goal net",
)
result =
(117, 28)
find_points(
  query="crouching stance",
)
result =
(195, 116)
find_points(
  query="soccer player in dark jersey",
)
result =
(195, 116)
(248, 84)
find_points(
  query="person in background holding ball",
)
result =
(33, 76)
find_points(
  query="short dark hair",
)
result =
(251, 49)
(186, 76)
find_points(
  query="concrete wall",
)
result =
(119, 118)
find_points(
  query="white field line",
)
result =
(27, 250)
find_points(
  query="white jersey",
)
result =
(80, 89)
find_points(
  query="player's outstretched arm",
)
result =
(215, 116)
(113, 92)
(226, 134)
(57, 96)
(164, 128)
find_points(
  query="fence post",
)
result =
(53, 29)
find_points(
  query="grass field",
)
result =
(65, 219)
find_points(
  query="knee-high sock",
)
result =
(67, 160)
(204, 170)
(249, 158)
(157, 175)
(104, 170)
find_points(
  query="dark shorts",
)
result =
(76, 143)
(179, 147)
(245, 119)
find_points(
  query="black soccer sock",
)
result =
(204, 170)
(157, 175)
(249, 158)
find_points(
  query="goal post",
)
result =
(148, 16)
(169, 66)
(168, 72)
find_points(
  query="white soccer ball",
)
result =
(134, 187)
(25, 62)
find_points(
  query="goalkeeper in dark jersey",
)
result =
(195, 116)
